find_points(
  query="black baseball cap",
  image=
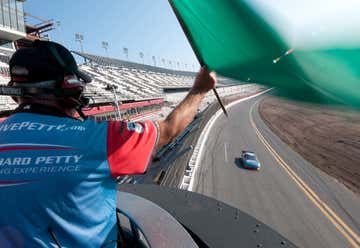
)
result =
(45, 60)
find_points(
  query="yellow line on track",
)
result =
(345, 230)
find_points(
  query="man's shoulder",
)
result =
(40, 122)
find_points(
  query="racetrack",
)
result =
(299, 201)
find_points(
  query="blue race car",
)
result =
(250, 161)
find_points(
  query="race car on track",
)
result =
(250, 161)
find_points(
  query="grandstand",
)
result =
(121, 63)
(133, 81)
(129, 81)
(6, 103)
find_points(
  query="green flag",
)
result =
(309, 54)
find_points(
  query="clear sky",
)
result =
(147, 26)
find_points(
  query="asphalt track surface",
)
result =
(290, 195)
(175, 161)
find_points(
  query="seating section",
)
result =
(4, 64)
(6, 103)
(90, 58)
(129, 81)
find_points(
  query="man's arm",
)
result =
(185, 112)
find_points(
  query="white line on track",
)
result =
(351, 236)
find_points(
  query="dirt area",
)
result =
(328, 138)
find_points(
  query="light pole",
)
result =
(154, 60)
(163, 61)
(58, 23)
(141, 55)
(117, 106)
(126, 52)
(105, 45)
(80, 38)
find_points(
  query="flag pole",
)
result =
(191, 41)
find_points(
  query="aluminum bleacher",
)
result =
(132, 81)
(6, 102)
(126, 64)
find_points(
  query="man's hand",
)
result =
(204, 81)
(185, 112)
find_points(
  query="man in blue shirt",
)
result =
(57, 173)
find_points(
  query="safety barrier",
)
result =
(178, 139)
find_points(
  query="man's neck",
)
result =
(45, 109)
